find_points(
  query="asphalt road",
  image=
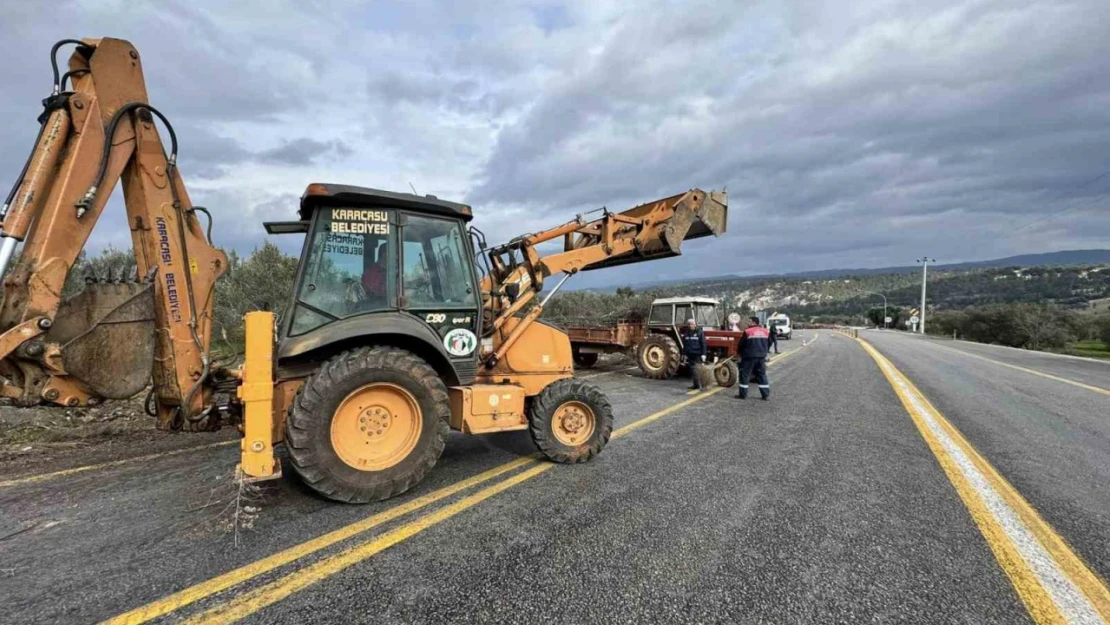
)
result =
(826, 504)
(1049, 438)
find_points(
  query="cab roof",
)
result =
(330, 194)
(685, 300)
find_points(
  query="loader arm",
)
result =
(111, 339)
(646, 232)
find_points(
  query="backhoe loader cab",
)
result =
(393, 265)
(383, 327)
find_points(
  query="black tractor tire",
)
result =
(308, 425)
(659, 357)
(545, 410)
(726, 373)
(585, 360)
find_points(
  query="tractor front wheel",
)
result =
(726, 373)
(368, 425)
(570, 421)
(659, 357)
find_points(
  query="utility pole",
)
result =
(924, 260)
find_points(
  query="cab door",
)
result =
(438, 284)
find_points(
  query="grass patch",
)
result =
(1090, 349)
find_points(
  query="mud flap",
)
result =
(106, 333)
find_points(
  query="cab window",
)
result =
(351, 267)
(682, 312)
(436, 268)
(661, 314)
(707, 316)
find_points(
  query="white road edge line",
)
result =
(1069, 600)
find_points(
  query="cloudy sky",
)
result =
(848, 134)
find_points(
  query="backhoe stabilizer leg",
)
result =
(256, 391)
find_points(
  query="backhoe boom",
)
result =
(110, 340)
(646, 232)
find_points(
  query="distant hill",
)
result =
(1071, 279)
(1062, 258)
(1050, 259)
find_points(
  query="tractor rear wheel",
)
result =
(726, 373)
(659, 357)
(585, 359)
(368, 425)
(570, 421)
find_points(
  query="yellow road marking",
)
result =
(231, 578)
(1042, 374)
(200, 591)
(115, 463)
(666, 411)
(1045, 591)
(250, 602)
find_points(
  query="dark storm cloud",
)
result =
(304, 151)
(846, 140)
(847, 134)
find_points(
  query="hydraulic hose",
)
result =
(206, 363)
(54, 60)
(208, 231)
(86, 201)
(59, 84)
(171, 166)
(66, 76)
(22, 173)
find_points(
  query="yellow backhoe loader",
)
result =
(403, 322)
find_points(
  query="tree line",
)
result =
(1026, 325)
(263, 280)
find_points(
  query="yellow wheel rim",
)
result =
(573, 423)
(654, 356)
(376, 426)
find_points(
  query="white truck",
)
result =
(780, 325)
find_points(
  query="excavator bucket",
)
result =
(106, 334)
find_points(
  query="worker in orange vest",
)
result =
(754, 344)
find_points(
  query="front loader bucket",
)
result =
(106, 333)
(679, 218)
(693, 220)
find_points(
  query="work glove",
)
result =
(703, 357)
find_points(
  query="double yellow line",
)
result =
(251, 601)
(1055, 585)
(256, 599)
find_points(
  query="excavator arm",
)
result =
(650, 231)
(111, 339)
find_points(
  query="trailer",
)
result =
(654, 343)
(589, 342)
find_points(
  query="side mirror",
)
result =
(512, 289)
